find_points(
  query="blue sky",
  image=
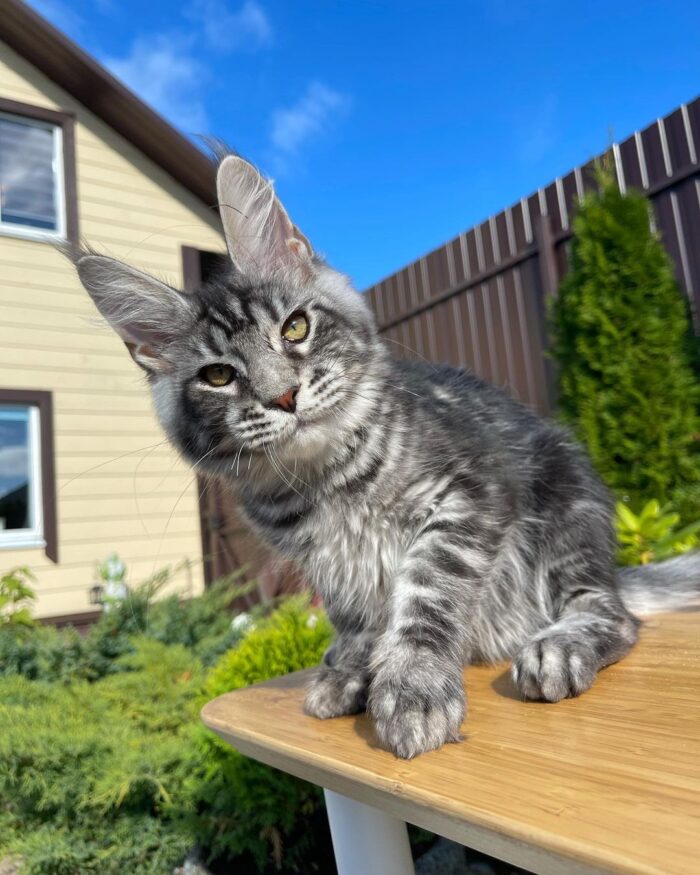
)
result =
(391, 126)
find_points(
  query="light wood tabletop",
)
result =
(609, 782)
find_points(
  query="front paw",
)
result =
(554, 667)
(411, 719)
(334, 693)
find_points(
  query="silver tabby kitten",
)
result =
(440, 521)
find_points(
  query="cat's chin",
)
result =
(310, 441)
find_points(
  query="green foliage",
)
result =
(292, 638)
(41, 652)
(653, 534)
(16, 596)
(621, 338)
(92, 776)
(140, 845)
(202, 624)
(244, 807)
(111, 771)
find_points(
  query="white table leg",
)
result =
(366, 841)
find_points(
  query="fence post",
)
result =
(548, 288)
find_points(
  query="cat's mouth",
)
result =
(304, 435)
(295, 432)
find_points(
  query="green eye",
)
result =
(217, 375)
(295, 328)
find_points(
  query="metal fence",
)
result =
(479, 300)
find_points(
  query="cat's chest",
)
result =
(352, 554)
(349, 546)
(330, 532)
(358, 541)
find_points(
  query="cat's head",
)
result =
(274, 354)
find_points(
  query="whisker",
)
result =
(109, 462)
(179, 499)
(281, 463)
(278, 472)
(340, 351)
(408, 391)
(411, 349)
(136, 491)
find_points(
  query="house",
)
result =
(84, 469)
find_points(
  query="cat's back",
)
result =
(462, 406)
(464, 422)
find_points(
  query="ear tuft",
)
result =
(260, 236)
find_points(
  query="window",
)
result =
(27, 496)
(31, 184)
(37, 173)
(20, 477)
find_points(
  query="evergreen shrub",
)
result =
(245, 807)
(621, 339)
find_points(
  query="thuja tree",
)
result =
(627, 384)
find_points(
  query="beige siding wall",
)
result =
(119, 487)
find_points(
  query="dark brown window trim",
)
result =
(44, 401)
(66, 121)
(191, 268)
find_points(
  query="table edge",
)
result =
(539, 852)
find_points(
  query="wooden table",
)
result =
(609, 782)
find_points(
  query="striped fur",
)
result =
(441, 522)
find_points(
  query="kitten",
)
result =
(441, 521)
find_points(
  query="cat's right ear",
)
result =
(146, 313)
(260, 236)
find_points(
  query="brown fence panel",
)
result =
(480, 300)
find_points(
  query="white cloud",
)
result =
(248, 28)
(310, 116)
(163, 71)
(14, 461)
(166, 70)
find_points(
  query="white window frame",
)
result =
(33, 536)
(8, 229)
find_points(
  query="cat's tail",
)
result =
(662, 586)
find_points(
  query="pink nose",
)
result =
(287, 402)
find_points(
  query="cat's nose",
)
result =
(287, 402)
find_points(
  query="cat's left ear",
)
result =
(146, 313)
(261, 238)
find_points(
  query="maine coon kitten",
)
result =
(441, 521)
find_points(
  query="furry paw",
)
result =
(554, 667)
(334, 693)
(410, 721)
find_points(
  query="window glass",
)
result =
(17, 466)
(28, 174)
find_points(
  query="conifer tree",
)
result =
(627, 385)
